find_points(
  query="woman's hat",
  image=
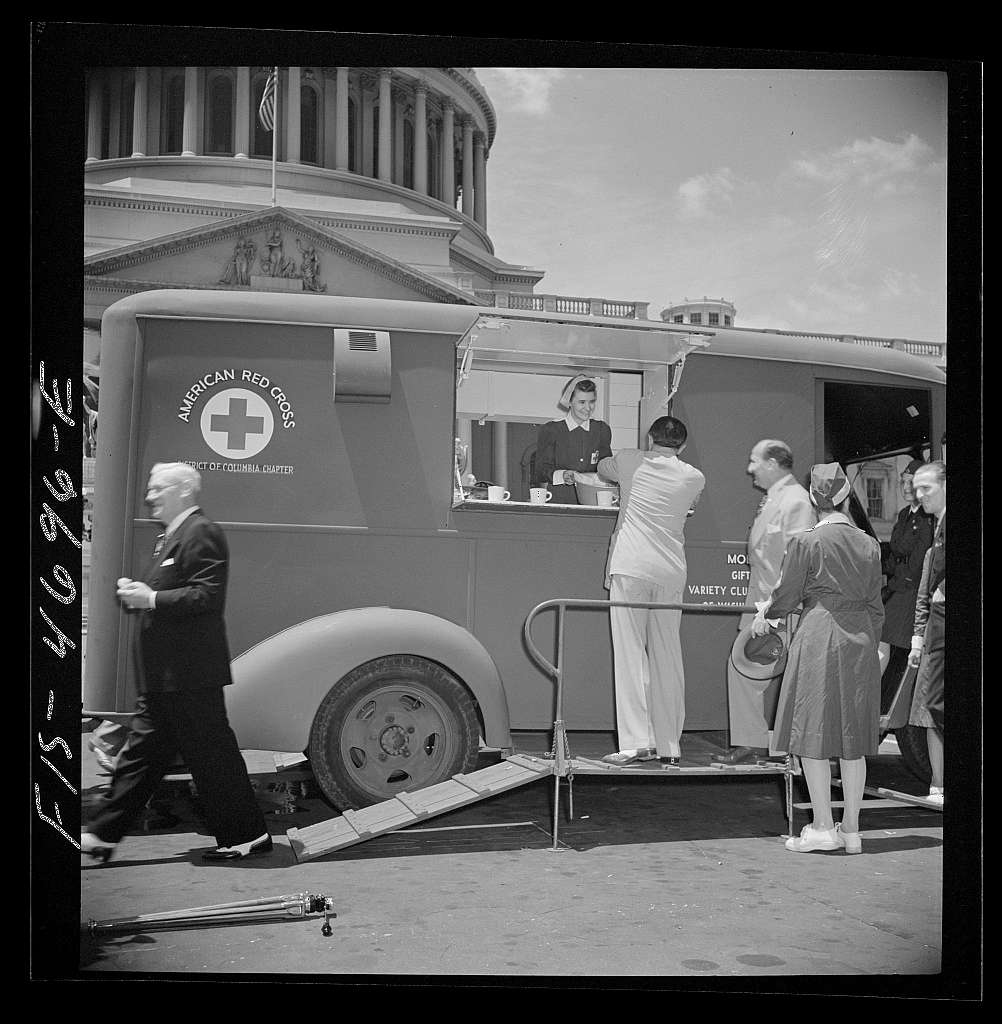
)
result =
(758, 657)
(568, 392)
(829, 486)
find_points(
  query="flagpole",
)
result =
(274, 141)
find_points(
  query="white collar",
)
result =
(178, 520)
(572, 423)
(781, 482)
(836, 517)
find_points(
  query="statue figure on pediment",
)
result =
(275, 263)
(310, 269)
(239, 266)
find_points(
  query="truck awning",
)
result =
(585, 344)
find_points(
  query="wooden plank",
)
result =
(866, 805)
(405, 808)
(412, 805)
(908, 798)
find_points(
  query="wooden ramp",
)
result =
(406, 808)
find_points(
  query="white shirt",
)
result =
(656, 492)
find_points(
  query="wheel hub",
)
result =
(393, 741)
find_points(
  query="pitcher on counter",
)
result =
(575, 444)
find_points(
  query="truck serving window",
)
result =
(498, 416)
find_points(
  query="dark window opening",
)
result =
(309, 148)
(220, 116)
(173, 115)
(867, 421)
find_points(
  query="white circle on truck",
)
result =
(237, 423)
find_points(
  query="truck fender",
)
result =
(278, 684)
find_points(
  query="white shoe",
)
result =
(850, 840)
(811, 838)
(625, 757)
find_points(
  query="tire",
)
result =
(393, 724)
(914, 751)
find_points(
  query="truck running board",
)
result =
(406, 808)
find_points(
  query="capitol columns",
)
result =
(190, 125)
(448, 154)
(480, 180)
(330, 121)
(293, 122)
(341, 123)
(421, 139)
(467, 167)
(399, 104)
(241, 133)
(139, 113)
(94, 116)
(385, 125)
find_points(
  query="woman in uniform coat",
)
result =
(910, 539)
(575, 444)
(829, 701)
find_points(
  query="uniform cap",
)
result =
(829, 486)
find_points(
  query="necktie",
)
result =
(159, 545)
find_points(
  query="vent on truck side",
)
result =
(361, 366)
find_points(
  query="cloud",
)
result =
(702, 196)
(870, 164)
(896, 284)
(530, 87)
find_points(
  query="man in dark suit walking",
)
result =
(184, 663)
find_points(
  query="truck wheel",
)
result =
(394, 724)
(914, 751)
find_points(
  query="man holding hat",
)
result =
(785, 511)
(829, 702)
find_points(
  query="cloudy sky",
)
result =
(812, 200)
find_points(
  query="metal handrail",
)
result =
(563, 603)
(561, 752)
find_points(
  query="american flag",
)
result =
(266, 111)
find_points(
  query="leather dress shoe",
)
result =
(671, 761)
(95, 848)
(739, 755)
(625, 757)
(262, 844)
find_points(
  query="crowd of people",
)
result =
(849, 606)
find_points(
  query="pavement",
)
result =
(654, 877)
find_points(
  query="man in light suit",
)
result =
(786, 510)
(184, 663)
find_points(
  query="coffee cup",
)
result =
(497, 494)
(607, 498)
(539, 495)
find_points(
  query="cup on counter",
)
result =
(607, 498)
(539, 495)
(497, 494)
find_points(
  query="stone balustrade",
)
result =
(638, 311)
(580, 305)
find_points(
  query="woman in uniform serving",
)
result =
(574, 444)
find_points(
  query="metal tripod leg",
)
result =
(299, 905)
